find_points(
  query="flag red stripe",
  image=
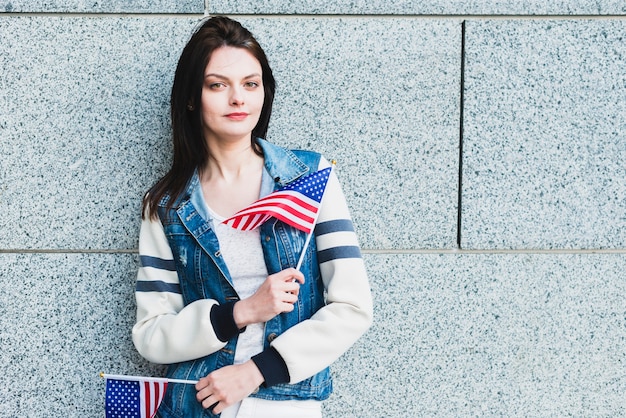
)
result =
(284, 213)
(153, 395)
(278, 206)
(249, 220)
(295, 197)
(146, 398)
(155, 399)
(306, 227)
(295, 206)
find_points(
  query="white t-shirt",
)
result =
(243, 254)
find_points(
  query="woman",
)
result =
(227, 307)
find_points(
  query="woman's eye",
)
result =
(216, 86)
(252, 84)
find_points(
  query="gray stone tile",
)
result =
(81, 6)
(428, 7)
(544, 145)
(489, 335)
(381, 97)
(84, 124)
(453, 335)
(86, 121)
(64, 319)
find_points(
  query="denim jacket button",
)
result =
(271, 337)
(267, 238)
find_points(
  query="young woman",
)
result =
(227, 307)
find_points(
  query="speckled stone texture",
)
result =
(412, 7)
(86, 116)
(544, 135)
(495, 335)
(382, 98)
(84, 131)
(85, 126)
(101, 6)
(64, 319)
(453, 335)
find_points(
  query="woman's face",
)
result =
(232, 95)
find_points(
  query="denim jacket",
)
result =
(203, 274)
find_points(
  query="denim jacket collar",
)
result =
(282, 164)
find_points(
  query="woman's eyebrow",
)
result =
(223, 77)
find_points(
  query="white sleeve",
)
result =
(166, 331)
(314, 344)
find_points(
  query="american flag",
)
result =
(133, 398)
(296, 204)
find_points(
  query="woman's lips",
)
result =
(237, 116)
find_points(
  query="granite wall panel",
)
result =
(349, 88)
(454, 335)
(412, 7)
(64, 318)
(489, 335)
(381, 96)
(84, 124)
(97, 6)
(84, 131)
(544, 145)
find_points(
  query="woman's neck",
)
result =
(230, 161)
(231, 179)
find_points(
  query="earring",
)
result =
(190, 107)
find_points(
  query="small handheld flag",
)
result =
(135, 396)
(131, 398)
(296, 204)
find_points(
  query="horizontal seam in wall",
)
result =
(435, 16)
(337, 16)
(103, 14)
(496, 251)
(68, 251)
(364, 251)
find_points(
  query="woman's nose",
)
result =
(236, 97)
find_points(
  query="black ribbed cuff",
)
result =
(272, 367)
(223, 321)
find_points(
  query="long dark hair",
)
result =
(190, 148)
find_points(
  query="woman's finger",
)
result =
(291, 274)
(210, 408)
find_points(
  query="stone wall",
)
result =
(481, 146)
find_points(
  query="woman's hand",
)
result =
(228, 385)
(276, 295)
